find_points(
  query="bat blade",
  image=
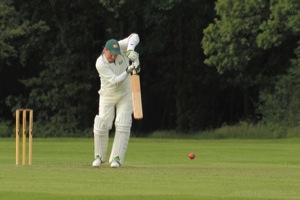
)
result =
(136, 96)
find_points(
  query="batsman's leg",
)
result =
(122, 134)
(102, 125)
(100, 142)
(123, 125)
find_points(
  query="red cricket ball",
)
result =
(191, 156)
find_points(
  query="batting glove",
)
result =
(137, 69)
(132, 55)
(130, 69)
(136, 65)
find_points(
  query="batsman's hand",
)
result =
(130, 69)
(132, 55)
(136, 65)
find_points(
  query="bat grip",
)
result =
(134, 72)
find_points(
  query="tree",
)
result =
(13, 30)
(281, 26)
(230, 44)
(245, 42)
(174, 69)
(11, 27)
(63, 78)
(280, 104)
(57, 67)
(280, 101)
(174, 79)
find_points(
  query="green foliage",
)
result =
(180, 63)
(282, 23)
(230, 42)
(236, 41)
(5, 129)
(13, 27)
(252, 43)
(10, 28)
(165, 5)
(294, 132)
(62, 60)
(50, 49)
(113, 5)
(230, 46)
(53, 98)
(242, 130)
(280, 103)
(280, 106)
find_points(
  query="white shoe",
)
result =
(115, 164)
(97, 163)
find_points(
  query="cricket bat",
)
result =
(136, 96)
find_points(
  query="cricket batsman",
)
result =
(115, 102)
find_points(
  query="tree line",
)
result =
(204, 63)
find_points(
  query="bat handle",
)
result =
(134, 72)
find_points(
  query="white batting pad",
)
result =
(119, 146)
(100, 140)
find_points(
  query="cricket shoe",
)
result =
(115, 163)
(97, 162)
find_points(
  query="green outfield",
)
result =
(154, 169)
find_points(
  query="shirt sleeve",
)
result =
(106, 73)
(129, 43)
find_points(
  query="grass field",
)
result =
(154, 169)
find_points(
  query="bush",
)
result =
(6, 129)
(281, 104)
(242, 130)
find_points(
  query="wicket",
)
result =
(24, 113)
